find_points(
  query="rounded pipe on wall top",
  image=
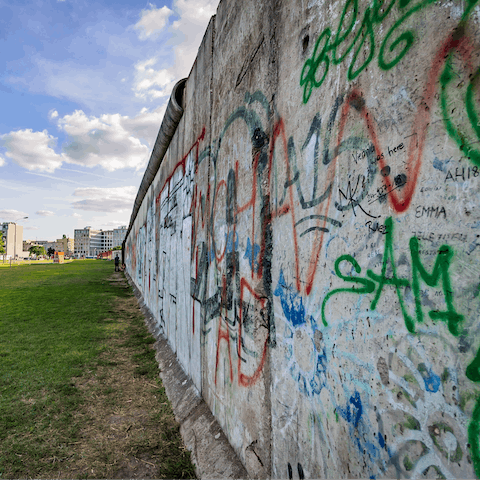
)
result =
(170, 121)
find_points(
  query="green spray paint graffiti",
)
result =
(439, 275)
(440, 269)
(345, 39)
(473, 374)
(464, 135)
(358, 36)
(473, 437)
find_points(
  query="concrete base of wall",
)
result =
(212, 454)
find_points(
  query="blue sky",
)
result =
(82, 96)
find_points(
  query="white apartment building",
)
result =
(12, 239)
(85, 240)
(89, 242)
(107, 240)
(119, 235)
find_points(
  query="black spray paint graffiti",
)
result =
(301, 475)
(261, 148)
(322, 158)
(218, 205)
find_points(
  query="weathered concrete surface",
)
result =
(212, 454)
(310, 244)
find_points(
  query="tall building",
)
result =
(89, 242)
(12, 239)
(82, 241)
(119, 235)
(107, 240)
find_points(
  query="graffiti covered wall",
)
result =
(310, 246)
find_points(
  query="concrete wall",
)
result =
(310, 246)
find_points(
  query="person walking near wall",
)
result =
(117, 263)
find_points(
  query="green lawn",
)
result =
(56, 322)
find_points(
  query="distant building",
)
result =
(45, 243)
(12, 235)
(84, 240)
(65, 245)
(89, 242)
(41, 243)
(119, 235)
(27, 244)
(107, 239)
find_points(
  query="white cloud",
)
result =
(76, 215)
(153, 79)
(2, 161)
(146, 124)
(110, 200)
(152, 22)
(31, 228)
(102, 141)
(150, 83)
(194, 16)
(32, 150)
(112, 141)
(52, 114)
(196, 12)
(12, 216)
(45, 213)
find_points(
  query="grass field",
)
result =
(80, 395)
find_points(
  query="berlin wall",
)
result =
(310, 245)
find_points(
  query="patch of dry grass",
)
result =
(129, 429)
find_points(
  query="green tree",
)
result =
(50, 251)
(118, 247)
(37, 250)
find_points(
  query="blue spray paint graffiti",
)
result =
(432, 381)
(251, 254)
(352, 413)
(302, 333)
(292, 302)
(229, 240)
